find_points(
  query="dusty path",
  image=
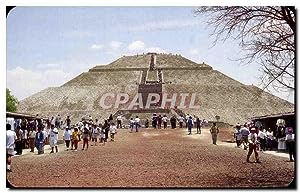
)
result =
(151, 158)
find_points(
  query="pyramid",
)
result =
(148, 83)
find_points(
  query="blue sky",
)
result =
(47, 46)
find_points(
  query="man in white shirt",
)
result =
(119, 121)
(137, 123)
(10, 145)
(186, 120)
(67, 137)
(113, 131)
(180, 119)
(53, 138)
(290, 142)
(253, 144)
(262, 136)
(165, 121)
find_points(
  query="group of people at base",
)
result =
(87, 130)
(254, 137)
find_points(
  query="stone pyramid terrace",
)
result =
(215, 93)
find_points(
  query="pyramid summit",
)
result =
(149, 83)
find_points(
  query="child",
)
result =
(113, 131)
(76, 138)
(85, 137)
(103, 135)
(94, 134)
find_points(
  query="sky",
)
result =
(48, 46)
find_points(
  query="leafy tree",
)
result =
(11, 101)
(266, 35)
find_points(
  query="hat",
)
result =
(253, 129)
(238, 125)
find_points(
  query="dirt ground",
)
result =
(153, 158)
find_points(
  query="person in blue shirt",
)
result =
(39, 141)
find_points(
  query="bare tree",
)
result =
(266, 35)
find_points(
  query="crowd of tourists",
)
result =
(254, 137)
(189, 121)
(36, 133)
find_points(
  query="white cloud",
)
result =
(194, 51)
(139, 47)
(155, 49)
(47, 66)
(115, 45)
(165, 25)
(136, 46)
(24, 82)
(97, 46)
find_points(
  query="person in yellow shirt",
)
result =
(75, 138)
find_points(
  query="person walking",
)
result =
(76, 138)
(85, 138)
(186, 120)
(262, 138)
(113, 131)
(119, 121)
(95, 134)
(245, 133)
(102, 134)
(165, 121)
(31, 136)
(137, 123)
(18, 141)
(10, 146)
(39, 141)
(146, 123)
(159, 120)
(198, 125)
(106, 127)
(131, 124)
(68, 121)
(154, 121)
(67, 137)
(214, 130)
(190, 125)
(181, 119)
(173, 122)
(290, 142)
(270, 139)
(238, 135)
(53, 139)
(253, 145)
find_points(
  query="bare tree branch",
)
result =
(266, 35)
